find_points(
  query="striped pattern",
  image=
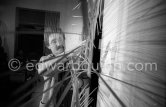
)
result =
(134, 31)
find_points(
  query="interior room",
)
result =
(118, 45)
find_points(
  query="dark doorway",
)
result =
(30, 24)
(31, 45)
(29, 33)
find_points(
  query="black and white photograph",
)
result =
(82, 53)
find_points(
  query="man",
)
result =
(55, 41)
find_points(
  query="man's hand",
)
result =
(51, 66)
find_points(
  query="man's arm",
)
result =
(48, 67)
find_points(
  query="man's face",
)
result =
(56, 43)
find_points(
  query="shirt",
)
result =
(49, 80)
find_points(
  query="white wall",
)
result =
(8, 10)
(136, 31)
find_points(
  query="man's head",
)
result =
(55, 41)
